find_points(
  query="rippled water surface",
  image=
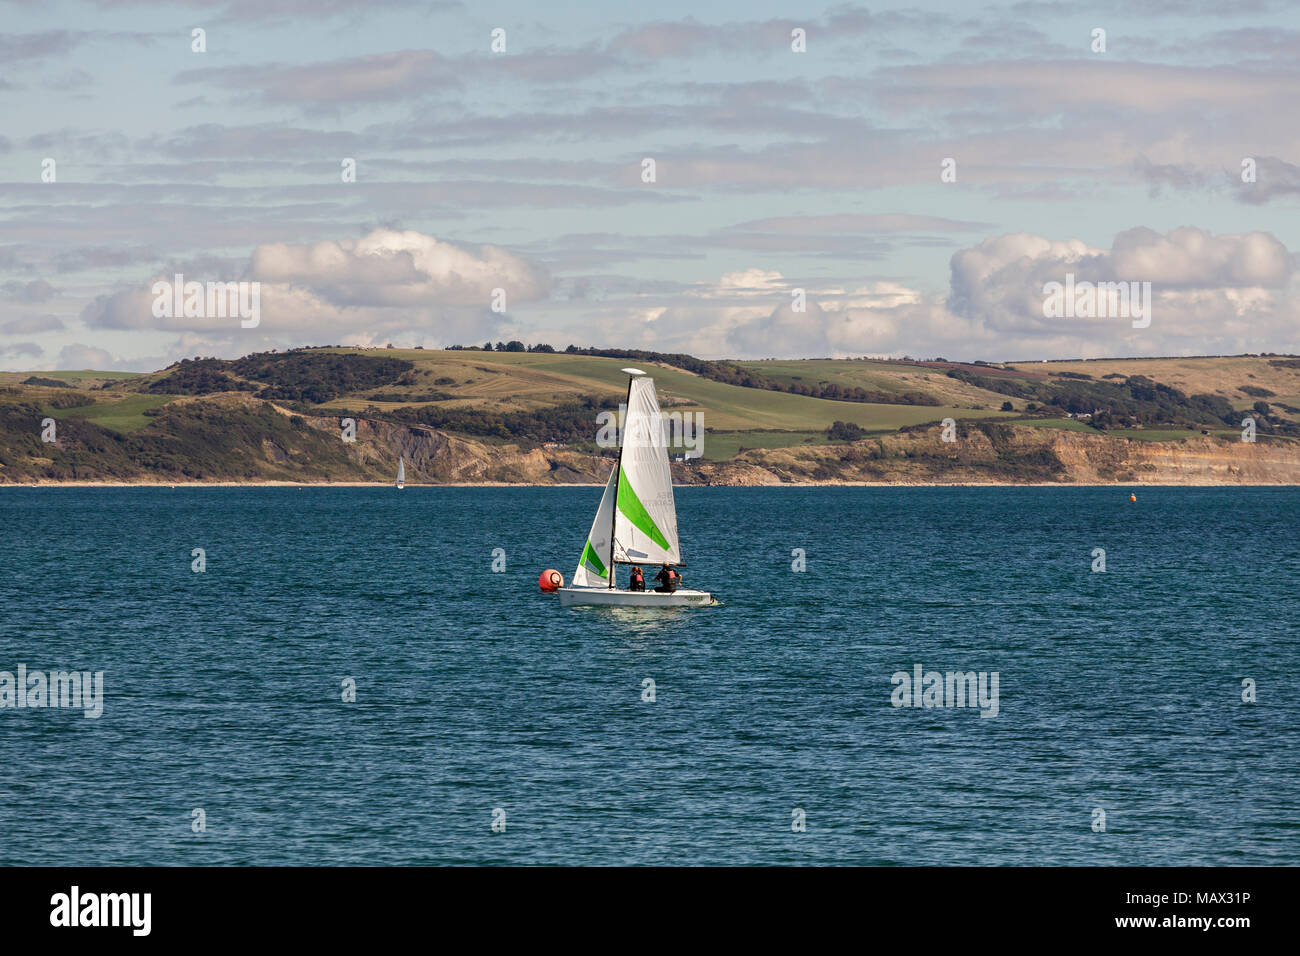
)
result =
(1120, 691)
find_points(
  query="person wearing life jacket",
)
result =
(638, 580)
(667, 579)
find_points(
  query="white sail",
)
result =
(593, 565)
(401, 471)
(645, 523)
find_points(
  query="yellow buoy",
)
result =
(1132, 497)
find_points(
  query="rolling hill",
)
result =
(476, 415)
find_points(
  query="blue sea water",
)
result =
(223, 689)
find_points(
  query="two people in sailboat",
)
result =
(668, 579)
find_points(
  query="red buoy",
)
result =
(550, 580)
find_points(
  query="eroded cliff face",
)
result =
(1005, 454)
(1011, 455)
(1196, 461)
(437, 457)
(238, 438)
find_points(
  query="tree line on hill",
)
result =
(314, 376)
(1137, 400)
(729, 373)
(311, 377)
(569, 422)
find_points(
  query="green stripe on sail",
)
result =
(635, 512)
(589, 557)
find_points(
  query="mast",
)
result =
(618, 469)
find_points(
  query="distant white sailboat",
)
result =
(636, 522)
(401, 473)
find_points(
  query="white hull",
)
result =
(613, 597)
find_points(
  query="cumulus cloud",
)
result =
(386, 282)
(392, 268)
(881, 319)
(1211, 294)
(878, 295)
(749, 282)
(1193, 257)
(999, 282)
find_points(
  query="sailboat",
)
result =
(636, 522)
(401, 473)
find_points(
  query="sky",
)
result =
(826, 180)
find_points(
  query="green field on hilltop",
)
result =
(719, 446)
(1065, 424)
(532, 379)
(893, 377)
(125, 415)
(1133, 434)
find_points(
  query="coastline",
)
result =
(525, 484)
